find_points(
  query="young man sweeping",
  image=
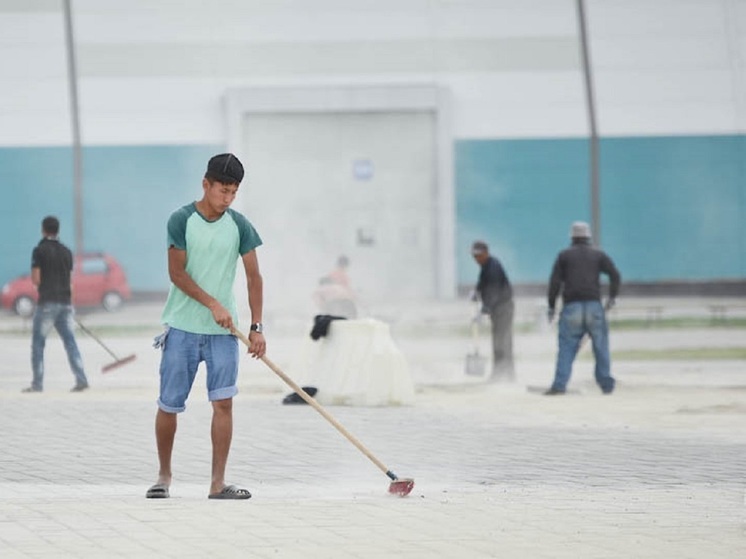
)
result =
(205, 241)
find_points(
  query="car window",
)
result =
(94, 266)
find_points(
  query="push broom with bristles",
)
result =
(118, 362)
(399, 486)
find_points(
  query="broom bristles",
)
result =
(118, 363)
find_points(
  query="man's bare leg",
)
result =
(222, 433)
(165, 431)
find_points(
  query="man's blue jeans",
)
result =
(576, 320)
(60, 316)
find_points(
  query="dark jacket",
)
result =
(493, 286)
(55, 262)
(577, 271)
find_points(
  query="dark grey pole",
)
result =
(594, 143)
(72, 78)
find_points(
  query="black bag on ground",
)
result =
(294, 398)
(321, 323)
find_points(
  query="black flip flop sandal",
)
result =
(158, 491)
(231, 492)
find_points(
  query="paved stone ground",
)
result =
(656, 470)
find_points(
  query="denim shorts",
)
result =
(182, 354)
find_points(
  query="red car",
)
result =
(97, 279)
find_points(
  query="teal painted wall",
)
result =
(129, 192)
(673, 208)
(518, 197)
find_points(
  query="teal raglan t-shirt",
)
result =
(213, 249)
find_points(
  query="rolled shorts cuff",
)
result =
(169, 409)
(222, 393)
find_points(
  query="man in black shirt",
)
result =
(51, 266)
(576, 273)
(496, 294)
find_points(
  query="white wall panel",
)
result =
(663, 53)
(164, 28)
(736, 28)
(35, 128)
(234, 8)
(329, 27)
(32, 62)
(485, 105)
(736, 12)
(152, 111)
(664, 86)
(508, 89)
(154, 127)
(517, 105)
(655, 18)
(665, 67)
(34, 102)
(19, 95)
(667, 119)
(566, 122)
(516, 19)
(661, 66)
(150, 95)
(26, 6)
(18, 29)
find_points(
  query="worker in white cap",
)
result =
(576, 274)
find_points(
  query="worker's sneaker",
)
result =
(31, 389)
(553, 392)
(79, 388)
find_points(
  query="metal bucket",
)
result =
(476, 365)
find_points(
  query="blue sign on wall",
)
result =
(362, 169)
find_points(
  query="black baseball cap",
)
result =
(225, 168)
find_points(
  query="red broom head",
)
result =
(401, 487)
(118, 363)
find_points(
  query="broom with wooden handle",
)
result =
(118, 362)
(399, 486)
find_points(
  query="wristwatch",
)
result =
(257, 327)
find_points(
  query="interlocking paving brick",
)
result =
(656, 470)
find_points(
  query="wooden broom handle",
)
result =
(318, 407)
